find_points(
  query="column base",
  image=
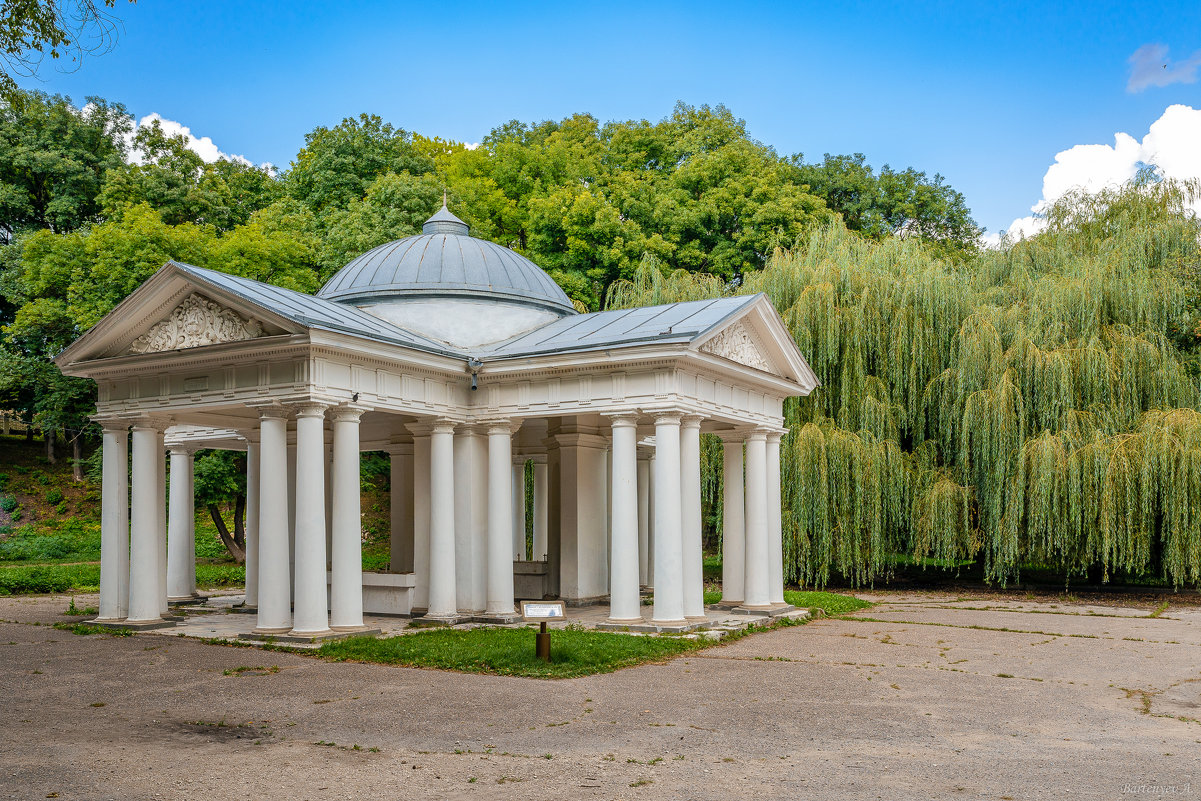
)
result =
(725, 605)
(753, 609)
(621, 622)
(261, 633)
(653, 627)
(502, 619)
(351, 630)
(696, 618)
(439, 620)
(289, 637)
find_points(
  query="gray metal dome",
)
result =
(443, 261)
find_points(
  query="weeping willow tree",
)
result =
(1035, 405)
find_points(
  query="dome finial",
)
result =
(443, 222)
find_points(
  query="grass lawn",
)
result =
(574, 651)
(510, 652)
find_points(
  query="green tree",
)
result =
(70, 29)
(220, 486)
(53, 158)
(336, 165)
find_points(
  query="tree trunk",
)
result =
(77, 457)
(236, 551)
(49, 437)
(240, 522)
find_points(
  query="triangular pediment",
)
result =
(197, 321)
(756, 337)
(174, 311)
(739, 343)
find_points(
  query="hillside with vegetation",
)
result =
(1028, 408)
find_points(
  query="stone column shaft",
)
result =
(275, 575)
(114, 523)
(644, 520)
(518, 500)
(669, 568)
(310, 616)
(501, 517)
(757, 561)
(541, 509)
(690, 512)
(181, 528)
(252, 524)
(346, 564)
(144, 583)
(624, 600)
(442, 591)
(775, 533)
(733, 530)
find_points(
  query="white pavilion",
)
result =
(464, 361)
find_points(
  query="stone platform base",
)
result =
(286, 639)
(495, 620)
(774, 611)
(647, 627)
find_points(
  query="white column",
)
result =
(775, 533)
(310, 615)
(144, 603)
(541, 508)
(292, 519)
(644, 519)
(501, 518)
(669, 568)
(114, 522)
(421, 515)
(252, 524)
(690, 514)
(442, 600)
(471, 518)
(650, 551)
(733, 531)
(346, 583)
(275, 575)
(400, 540)
(624, 601)
(757, 566)
(518, 501)
(160, 524)
(181, 528)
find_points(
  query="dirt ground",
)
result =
(928, 695)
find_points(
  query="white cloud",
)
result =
(202, 146)
(1170, 145)
(1150, 66)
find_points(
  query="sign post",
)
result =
(542, 611)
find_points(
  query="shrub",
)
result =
(8, 503)
(54, 496)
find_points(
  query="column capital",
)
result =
(270, 410)
(155, 422)
(626, 419)
(668, 417)
(345, 414)
(109, 422)
(309, 409)
(427, 426)
(183, 448)
(691, 420)
(501, 425)
(735, 436)
(758, 434)
(775, 435)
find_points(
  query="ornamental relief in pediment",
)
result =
(737, 344)
(195, 322)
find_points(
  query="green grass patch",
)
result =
(43, 579)
(510, 652)
(84, 629)
(832, 603)
(220, 574)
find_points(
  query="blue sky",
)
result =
(986, 94)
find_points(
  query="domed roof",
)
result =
(443, 261)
